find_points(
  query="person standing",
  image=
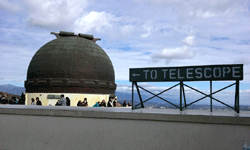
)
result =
(68, 101)
(33, 101)
(63, 101)
(38, 102)
(110, 103)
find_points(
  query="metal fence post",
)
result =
(139, 94)
(181, 86)
(132, 95)
(237, 93)
(211, 91)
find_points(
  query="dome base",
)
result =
(69, 86)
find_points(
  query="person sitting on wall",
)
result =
(97, 104)
(79, 103)
(67, 101)
(86, 102)
(124, 104)
(33, 101)
(62, 100)
(4, 101)
(129, 104)
(38, 102)
(12, 101)
(118, 104)
(103, 103)
(16, 100)
(114, 102)
(58, 103)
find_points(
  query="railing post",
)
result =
(237, 93)
(132, 95)
(181, 85)
(211, 91)
(184, 96)
(138, 91)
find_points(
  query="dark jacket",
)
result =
(109, 103)
(67, 102)
(39, 103)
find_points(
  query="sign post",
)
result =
(189, 73)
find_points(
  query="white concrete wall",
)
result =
(52, 129)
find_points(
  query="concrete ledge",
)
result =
(127, 114)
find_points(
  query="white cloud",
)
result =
(10, 6)
(171, 54)
(56, 13)
(203, 8)
(147, 30)
(96, 21)
(189, 40)
(127, 29)
(201, 14)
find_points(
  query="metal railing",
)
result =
(183, 95)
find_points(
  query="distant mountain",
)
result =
(12, 89)
(121, 97)
(128, 96)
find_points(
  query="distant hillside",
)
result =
(121, 97)
(12, 89)
(128, 96)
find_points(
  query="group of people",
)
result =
(112, 103)
(63, 101)
(66, 102)
(38, 102)
(100, 104)
(13, 100)
(83, 103)
(126, 105)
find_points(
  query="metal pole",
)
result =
(181, 84)
(211, 91)
(237, 93)
(138, 91)
(132, 95)
(185, 103)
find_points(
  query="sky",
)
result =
(135, 34)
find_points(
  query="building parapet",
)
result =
(125, 113)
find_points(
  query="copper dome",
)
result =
(71, 64)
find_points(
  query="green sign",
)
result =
(188, 73)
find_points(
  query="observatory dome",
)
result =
(71, 64)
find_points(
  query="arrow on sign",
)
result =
(134, 75)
